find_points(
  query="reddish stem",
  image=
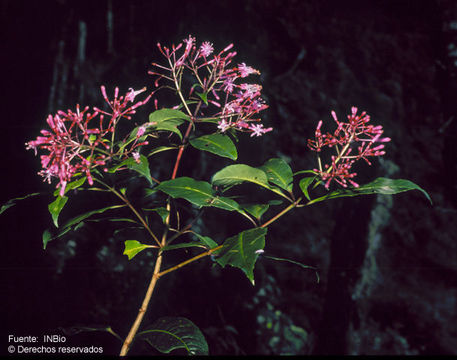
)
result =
(181, 149)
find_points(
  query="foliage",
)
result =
(213, 107)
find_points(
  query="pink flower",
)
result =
(258, 130)
(211, 74)
(223, 125)
(119, 106)
(355, 134)
(136, 156)
(141, 131)
(246, 70)
(75, 146)
(206, 49)
(132, 94)
(190, 41)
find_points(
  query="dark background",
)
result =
(387, 265)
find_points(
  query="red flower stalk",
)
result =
(356, 134)
(75, 146)
(218, 84)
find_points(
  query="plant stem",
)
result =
(144, 306)
(340, 155)
(147, 298)
(143, 222)
(277, 216)
(181, 150)
(209, 252)
(184, 263)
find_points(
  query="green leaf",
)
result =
(170, 125)
(378, 186)
(79, 218)
(199, 193)
(161, 211)
(218, 144)
(279, 173)
(164, 115)
(170, 333)
(133, 247)
(305, 172)
(202, 241)
(142, 167)
(182, 245)
(206, 241)
(160, 149)
(56, 207)
(237, 174)
(304, 184)
(71, 185)
(256, 210)
(113, 220)
(168, 120)
(12, 202)
(203, 96)
(47, 237)
(224, 203)
(241, 250)
(149, 191)
(76, 222)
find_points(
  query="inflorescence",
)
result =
(79, 141)
(214, 82)
(355, 134)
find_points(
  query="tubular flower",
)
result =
(216, 84)
(77, 141)
(355, 134)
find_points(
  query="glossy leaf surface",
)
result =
(218, 144)
(72, 185)
(378, 186)
(133, 247)
(256, 210)
(199, 193)
(56, 207)
(168, 120)
(237, 174)
(304, 184)
(279, 173)
(170, 333)
(242, 251)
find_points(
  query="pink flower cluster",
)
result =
(77, 143)
(355, 134)
(215, 82)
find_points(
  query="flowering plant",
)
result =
(215, 102)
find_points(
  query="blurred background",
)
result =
(387, 265)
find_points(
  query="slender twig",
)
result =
(209, 252)
(147, 298)
(184, 263)
(144, 306)
(186, 137)
(137, 214)
(181, 149)
(277, 216)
